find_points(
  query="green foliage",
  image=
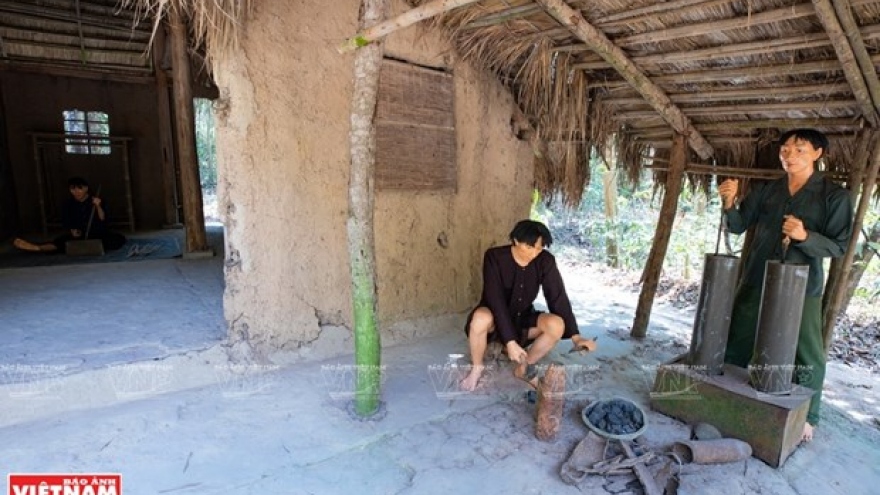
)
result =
(205, 148)
(694, 233)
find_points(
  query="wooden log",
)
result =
(408, 18)
(551, 403)
(654, 265)
(655, 96)
(828, 18)
(184, 119)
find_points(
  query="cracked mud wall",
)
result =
(283, 161)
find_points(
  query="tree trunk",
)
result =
(361, 243)
(184, 119)
(654, 266)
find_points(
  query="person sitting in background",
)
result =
(83, 217)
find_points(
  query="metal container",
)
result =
(712, 321)
(779, 322)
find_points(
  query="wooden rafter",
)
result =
(857, 43)
(792, 43)
(655, 96)
(843, 49)
(739, 22)
(713, 75)
(408, 18)
(740, 94)
(745, 108)
(758, 124)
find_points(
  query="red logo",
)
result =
(65, 484)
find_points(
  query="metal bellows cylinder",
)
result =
(712, 320)
(779, 322)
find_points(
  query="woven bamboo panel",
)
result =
(415, 127)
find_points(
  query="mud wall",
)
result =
(282, 143)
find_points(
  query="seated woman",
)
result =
(82, 216)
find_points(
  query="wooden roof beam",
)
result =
(828, 17)
(725, 75)
(823, 122)
(857, 42)
(655, 96)
(764, 47)
(739, 22)
(738, 94)
(651, 11)
(502, 16)
(746, 108)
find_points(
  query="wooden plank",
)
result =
(723, 94)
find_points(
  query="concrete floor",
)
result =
(122, 368)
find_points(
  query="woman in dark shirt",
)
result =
(512, 276)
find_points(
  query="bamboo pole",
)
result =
(184, 119)
(361, 242)
(828, 18)
(869, 184)
(408, 18)
(654, 265)
(599, 43)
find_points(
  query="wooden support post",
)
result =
(193, 210)
(868, 186)
(611, 53)
(654, 265)
(166, 128)
(408, 18)
(855, 180)
(361, 242)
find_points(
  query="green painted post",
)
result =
(361, 245)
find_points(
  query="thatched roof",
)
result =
(729, 74)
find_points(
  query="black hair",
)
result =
(77, 182)
(812, 136)
(529, 231)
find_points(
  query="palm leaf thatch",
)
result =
(214, 24)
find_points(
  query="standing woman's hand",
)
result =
(728, 190)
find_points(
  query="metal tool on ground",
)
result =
(86, 246)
